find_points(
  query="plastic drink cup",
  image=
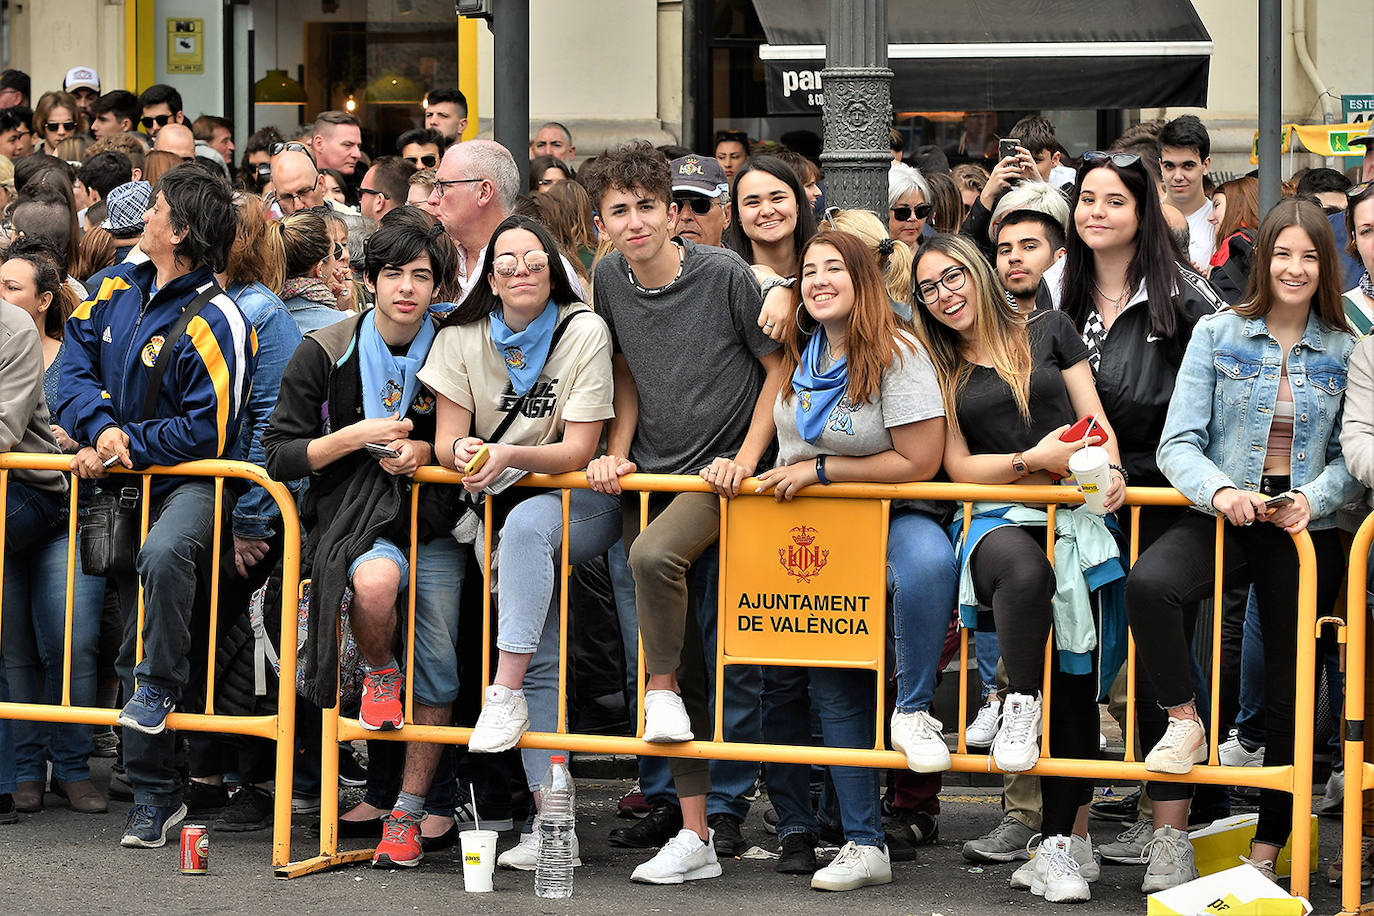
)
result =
(479, 859)
(1091, 471)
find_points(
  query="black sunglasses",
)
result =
(700, 205)
(149, 120)
(60, 125)
(276, 149)
(429, 160)
(1120, 160)
(902, 214)
(363, 191)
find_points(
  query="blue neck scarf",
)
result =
(817, 392)
(525, 352)
(389, 380)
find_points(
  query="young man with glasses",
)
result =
(384, 187)
(159, 105)
(421, 147)
(702, 194)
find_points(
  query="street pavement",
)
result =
(58, 861)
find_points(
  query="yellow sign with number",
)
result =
(804, 580)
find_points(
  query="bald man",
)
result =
(176, 139)
(299, 185)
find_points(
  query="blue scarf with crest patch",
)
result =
(524, 352)
(389, 380)
(817, 392)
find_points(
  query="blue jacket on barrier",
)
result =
(1223, 404)
(113, 340)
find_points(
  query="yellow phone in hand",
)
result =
(479, 459)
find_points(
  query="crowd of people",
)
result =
(343, 317)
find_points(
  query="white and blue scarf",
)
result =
(389, 380)
(817, 392)
(525, 352)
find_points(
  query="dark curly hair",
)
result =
(202, 206)
(635, 165)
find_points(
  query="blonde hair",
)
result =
(896, 264)
(1002, 334)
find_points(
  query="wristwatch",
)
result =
(1018, 464)
(820, 470)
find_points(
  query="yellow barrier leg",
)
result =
(1357, 772)
(1304, 700)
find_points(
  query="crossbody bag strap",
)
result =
(164, 356)
(520, 404)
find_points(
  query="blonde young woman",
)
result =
(1012, 386)
(894, 260)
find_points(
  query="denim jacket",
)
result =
(1217, 429)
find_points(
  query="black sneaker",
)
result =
(352, 773)
(915, 827)
(1116, 807)
(203, 798)
(8, 813)
(656, 828)
(729, 842)
(119, 784)
(249, 809)
(798, 855)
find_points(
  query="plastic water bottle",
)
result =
(553, 870)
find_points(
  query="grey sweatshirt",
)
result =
(1357, 425)
(24, 425)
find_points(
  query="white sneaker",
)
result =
(525, 855)
(1060, 879)
(1334, 799)
(1184, 744)
(504, 718)
(1082, 851)
(1017, 745)
(917, 734)
(683, 858)
(1171, 861)
(983, 729)
(1231, 753)
(665, 718)
(853, 867)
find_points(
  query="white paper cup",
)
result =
(1091, 471)
(479, 859)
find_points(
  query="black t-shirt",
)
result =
(987, 411)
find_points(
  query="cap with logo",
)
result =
(1366, 141)
(699, 175)
(127, 204)
(81, 78)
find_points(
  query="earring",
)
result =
(796, 319)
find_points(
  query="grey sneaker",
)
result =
(1007, 842)
(1129, 847)
(1171, 860)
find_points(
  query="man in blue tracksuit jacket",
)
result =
(113, 342)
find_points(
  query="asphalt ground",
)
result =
(58, 861)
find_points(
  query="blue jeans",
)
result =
(530, 550)
(34, 629)
(845, 700)
(7, 780)
(987, 650)
(742, 716)
(440, 565)
(169, 564)
(922, 582)
(1250, 719)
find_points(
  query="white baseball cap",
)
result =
(81, 77)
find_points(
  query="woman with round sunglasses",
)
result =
(1359, 224)
(522, 373)
(1252, 435)
(1134, 303)
(55, 118)
(771, 222)
(908, 204)
(1013, 385)
(862, 404)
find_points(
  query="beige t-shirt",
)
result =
(465, 367)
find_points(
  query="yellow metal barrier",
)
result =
(280, 727)
(1295, 778)
(1359, 776)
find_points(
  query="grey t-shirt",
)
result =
(693, 348)
(908, 393)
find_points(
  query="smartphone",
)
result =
(1080, 430)
(479, 459)
(1275, 503)
(1006, 147)
(377, 450)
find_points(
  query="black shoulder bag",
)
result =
(108, 527)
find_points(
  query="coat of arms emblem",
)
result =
(803, 558)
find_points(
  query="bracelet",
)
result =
(820, 470)
(1125, 478)
(456, 440)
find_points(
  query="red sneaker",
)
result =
(381, 708)
(400, 845)
(632, 804)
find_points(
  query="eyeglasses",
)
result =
(428, 161)
(829, 215)
(732, 136)
(440, 185)
(920, 211)
(276, 149)
(382, 194)
(505, 265)
(1358, 190)
(1120, 160)
(149, 120)
(952, 279)
(699, 205)
(60, 125)
(297, 199)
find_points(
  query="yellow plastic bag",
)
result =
(1239, 891)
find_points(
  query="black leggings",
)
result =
(1012, 574)
(1177, 571)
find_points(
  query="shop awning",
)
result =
(1004, 54)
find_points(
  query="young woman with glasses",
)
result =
(1013, 385)
(546, 171)
(55, 118)
(522, 373)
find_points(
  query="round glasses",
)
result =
(952, 279)
(505, 265)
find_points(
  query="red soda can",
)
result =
(195, 849)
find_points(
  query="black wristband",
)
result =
(820, 470)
